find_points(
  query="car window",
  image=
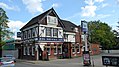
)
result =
(6, 59)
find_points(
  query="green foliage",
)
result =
(101, 33)
(4, 32)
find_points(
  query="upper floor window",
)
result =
(33, 32)
(55, 32)
(29, 34)
(48, 31)
(52, 20)
(25, 34)
(66, 36)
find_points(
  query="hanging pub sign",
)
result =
(18, 34)
(84, 26)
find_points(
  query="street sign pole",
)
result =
(85, 41)
(86, 54)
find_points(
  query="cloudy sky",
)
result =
(21, 11)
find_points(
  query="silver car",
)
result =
(10, 56)
(7, 62)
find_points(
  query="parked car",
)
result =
(10, 56)
(7, 62)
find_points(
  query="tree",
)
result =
(101, 33)
(4, 32)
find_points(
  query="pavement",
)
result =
(96, 61)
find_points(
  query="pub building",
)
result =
(46, 35)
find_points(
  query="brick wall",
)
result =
(95, 49)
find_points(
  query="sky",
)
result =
(22, 11)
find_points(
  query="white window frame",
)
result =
(54, 31)
(28, 52)
(29, 33)
(33, 51)
(51, 20)
(50, 32)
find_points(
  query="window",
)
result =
(48, 31)
(33, 50)
(78, 48)
(48, 49)
(33, 32)
(66, 36)
(24, 50)
(73, 48)
(29, 34)
(28, 52)
(25, 34)
(55, 32)
(60, 49)
(55, 49)
(52, 20)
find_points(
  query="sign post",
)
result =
(86, 54)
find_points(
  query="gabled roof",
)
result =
(36, 19)
(69, 26)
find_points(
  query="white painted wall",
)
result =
(42, 30)
(71, 37)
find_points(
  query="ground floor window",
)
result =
(48, 48)
(28, 52)
(55, 49)
(25, 50)
(60, 49)
(78, 48)
(73, 48)
(33, 50)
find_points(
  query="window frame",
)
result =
(33, 50)
(28, 50)
(55, 32)
(48, 31)
(59, 46)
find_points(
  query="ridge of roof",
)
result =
(36, 19)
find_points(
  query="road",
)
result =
(75, 62)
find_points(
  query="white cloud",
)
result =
(5, 6)
(33, 6)
(14, 26)
(99, 0)
(55, 5)
(89, 2)
(89, 10)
